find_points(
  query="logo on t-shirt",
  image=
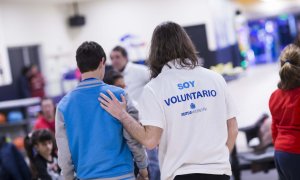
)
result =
(186, 85)
(194, 95)
(193, 106)
(193, 111)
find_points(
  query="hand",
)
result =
(143, 174)
(112, 105)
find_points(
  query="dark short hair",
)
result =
(89, 55)
(121, 50)
(290, 68)
(170, 42)
(39, 136)
(111, 76)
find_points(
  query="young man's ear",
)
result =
(102, 63)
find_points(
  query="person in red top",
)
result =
(285, 109)
(36, 82)
(46, 119)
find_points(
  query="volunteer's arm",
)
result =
(232, 126)
(64, 155)
(232, 129)
(149, 136)
(137, 149)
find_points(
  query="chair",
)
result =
(256, 161)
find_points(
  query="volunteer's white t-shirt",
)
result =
(192, 107)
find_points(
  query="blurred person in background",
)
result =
(182, 108)
(46, 120)
(136, 77)
(78, 74)
(285, 109)
(42, 155)
(24, 83)
(36, 82)
(115, 78)
(12, 162)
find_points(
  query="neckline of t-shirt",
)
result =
(90, 79)
(174, 65)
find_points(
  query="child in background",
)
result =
(46, 120)
(42, 155)
(115, 78)
(285, 109)
(139, 153)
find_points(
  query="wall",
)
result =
(109, 20)
(45, 25)
(5, 77)
(268, 9)
(222, 16)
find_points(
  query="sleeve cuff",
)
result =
(151, 123)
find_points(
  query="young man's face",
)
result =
(102, 68)
(118, 60)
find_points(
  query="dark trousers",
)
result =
(288, 165)
(202, 177)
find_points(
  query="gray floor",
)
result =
(252, 92)
(247, 175)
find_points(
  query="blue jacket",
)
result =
(95, 138)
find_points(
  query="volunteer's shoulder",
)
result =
(212, 74)
(154, 83)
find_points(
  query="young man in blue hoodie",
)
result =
(90, 141)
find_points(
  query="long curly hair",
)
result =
(170, 42)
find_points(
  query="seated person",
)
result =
(46, 119)
(139, 153)
(41, 152)
(115, 78)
